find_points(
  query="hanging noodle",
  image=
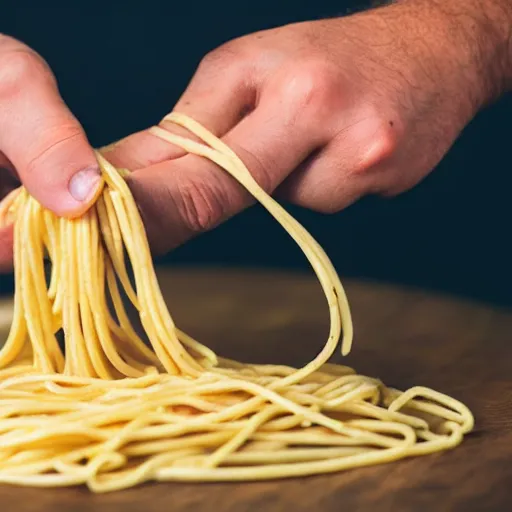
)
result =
(112, 411)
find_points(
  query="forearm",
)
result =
(479, 33)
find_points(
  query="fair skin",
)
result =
(321, 112)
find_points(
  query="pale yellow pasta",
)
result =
(110, 410)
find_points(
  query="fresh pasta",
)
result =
(85, 399)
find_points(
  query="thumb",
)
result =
(41, 138)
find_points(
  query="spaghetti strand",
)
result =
(111, 411)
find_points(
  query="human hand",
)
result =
(41, 143)
(321, 112)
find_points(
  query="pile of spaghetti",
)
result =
(109, 409)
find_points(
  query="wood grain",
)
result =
(403, 336)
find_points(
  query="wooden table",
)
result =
(404, 337)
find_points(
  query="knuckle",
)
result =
(312, 86)
(222, 57)
(63, 139)
(19, 67)
(386, 140)
(5, 40)
(209, 60)
(201, 205)
(377, 140)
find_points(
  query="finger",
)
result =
(217, 97)
(187, 196)
(352, 165)
(323, 184)
(41, 137)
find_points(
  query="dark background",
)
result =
(121, 66)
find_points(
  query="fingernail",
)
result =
(84, 183)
